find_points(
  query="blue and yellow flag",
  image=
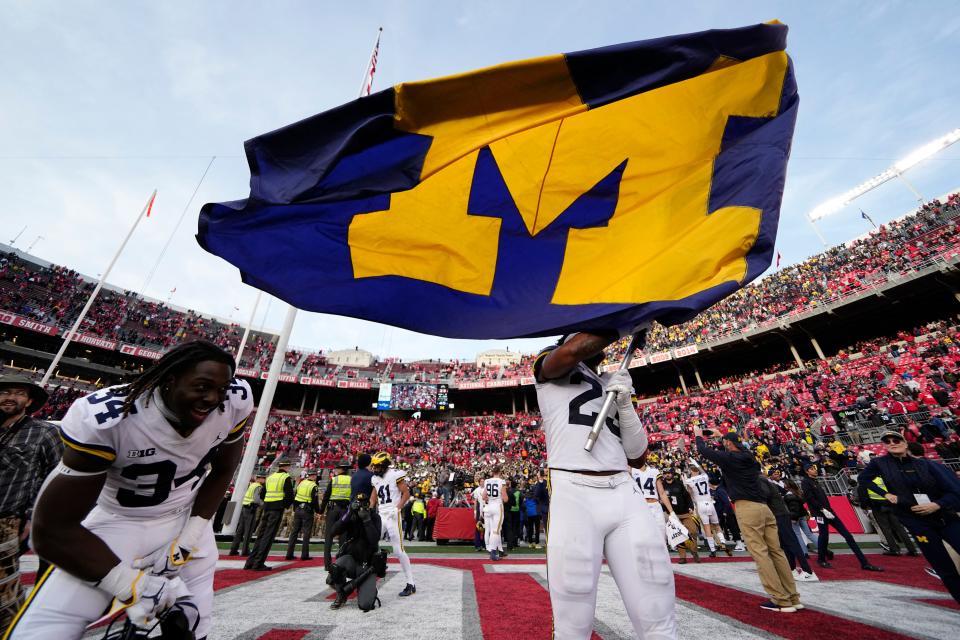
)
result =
(583, 191)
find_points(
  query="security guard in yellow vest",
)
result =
(305, 504)
(252, 501)
(886, 519)
(336, 498)
(278, 495)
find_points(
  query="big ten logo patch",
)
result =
(141, 453)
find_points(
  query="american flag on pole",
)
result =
(371, 68)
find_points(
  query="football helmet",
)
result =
(381, 459)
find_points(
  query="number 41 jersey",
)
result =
(154, 470)
(388, 493)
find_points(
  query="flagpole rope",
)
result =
(183, 213)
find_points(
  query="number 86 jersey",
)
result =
(569, 405)
(154, 471)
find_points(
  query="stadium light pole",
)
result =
(897, 170)
(270, 388)
(13, 241)
(816, 230)
(67, 339)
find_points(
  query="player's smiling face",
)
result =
(197, 392)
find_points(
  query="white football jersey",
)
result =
(495, 488)
(154, 470)
(388, 493)
(569, 406)
(646, 479)
(700, 486)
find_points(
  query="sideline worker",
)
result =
(336, 500)
(278, 496)
(29, 450)
(884, 513)
(252, 501)
(305, 504)
(741, 473)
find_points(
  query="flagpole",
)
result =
(635, 343)
(183, 213)
(68, 338)
(246, 332)
(266, 399)
(367, 75)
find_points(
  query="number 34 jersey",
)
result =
(569, 406)
(154, 471)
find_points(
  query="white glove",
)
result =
(144, 596)
(632, 434)
(827, 514)
(621, 383)
(170, 558)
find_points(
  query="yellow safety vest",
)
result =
(275, 486)
(418, 507)
(873, 495)
(340, 487)
(305, 491)
(248, 496)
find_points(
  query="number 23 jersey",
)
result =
(154, 471)
(569, 405)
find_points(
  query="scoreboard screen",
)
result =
(411, 396)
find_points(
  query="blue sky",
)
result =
(104, 101)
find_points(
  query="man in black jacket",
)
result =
(741, 474)
(926, 497)
(816, 499)
(359, 560)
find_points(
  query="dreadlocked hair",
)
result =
(173, 363)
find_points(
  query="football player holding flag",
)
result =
(125, 518)
(596, 509)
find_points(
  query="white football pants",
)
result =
(492, 525)
(393, 528)
(61, 606)
(597, 517)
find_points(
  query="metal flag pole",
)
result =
(183, 213)
(67, 339)
(246, 332)
(635, 341)
(266, 399)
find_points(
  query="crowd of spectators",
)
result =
(908, 381)
(894, 248)
(55, 295)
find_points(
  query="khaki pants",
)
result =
(689, 520)
(759, 530)
(11, 595)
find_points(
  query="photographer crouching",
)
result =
(359, 559)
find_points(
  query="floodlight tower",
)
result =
(895, 171)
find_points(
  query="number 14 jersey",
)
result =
(154, 471)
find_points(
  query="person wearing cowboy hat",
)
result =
(29, 450)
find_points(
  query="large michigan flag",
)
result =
(584, 191)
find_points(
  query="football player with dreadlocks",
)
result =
(390, 493)
(125, 518)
